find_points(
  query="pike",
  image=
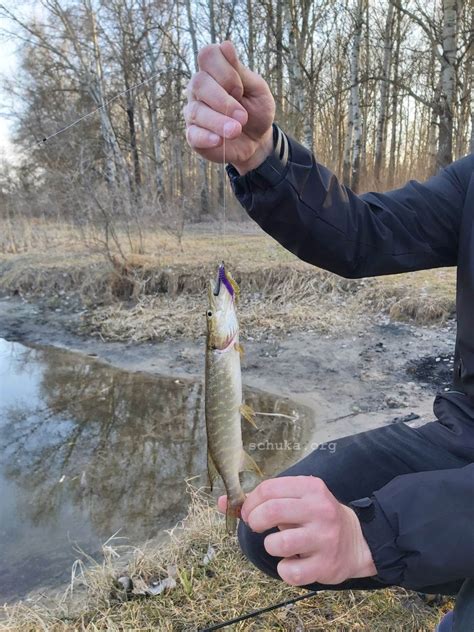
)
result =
(223, 395)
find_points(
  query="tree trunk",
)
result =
(204, 192)
(192, 33)
(212, 21)
(298, 13)
(448, 83)
(308, 132)
(155, 132)
(381, 130)
(279, 60)
(394, 105)
(251, 42)
(113, 155)
(133, 143)
(356, 113)
(295, 92)
(433, 133)
(347, 154)
(366, 96)
(336, 126)
(466, 109)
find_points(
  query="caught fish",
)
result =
(223, 394)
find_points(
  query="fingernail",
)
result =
(240, 115)
(230, 129)
(214, 139)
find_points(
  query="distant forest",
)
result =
(380, 90)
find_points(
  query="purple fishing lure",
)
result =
(222, 278)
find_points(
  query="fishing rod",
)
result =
(257, 613)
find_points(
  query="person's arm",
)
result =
(303, 205)
(422, 531)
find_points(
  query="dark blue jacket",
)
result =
(423, 531)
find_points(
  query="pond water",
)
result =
(88, 450)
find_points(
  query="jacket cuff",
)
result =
(381, 539)
(269, 173)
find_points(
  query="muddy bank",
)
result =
(383, 372)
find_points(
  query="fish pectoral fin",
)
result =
(248, 414)
(238, 347)
(212, 472)
(247, 464)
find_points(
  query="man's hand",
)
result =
(319, 539)
(227, 100)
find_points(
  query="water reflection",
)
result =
(87, 450)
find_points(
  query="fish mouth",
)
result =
(228, 343)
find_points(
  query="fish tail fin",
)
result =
(231, 515)
(248, 464)
(233, 508)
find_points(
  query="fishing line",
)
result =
(101, 107)
(256, 613)
(224, 199)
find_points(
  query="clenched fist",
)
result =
(319, 539)
(227, 100)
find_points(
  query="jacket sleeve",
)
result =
(303, 205)
(422, 532)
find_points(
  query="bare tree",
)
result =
(381, 130)
(352, 146)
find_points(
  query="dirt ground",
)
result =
(382, 372)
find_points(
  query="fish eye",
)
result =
(209, 314)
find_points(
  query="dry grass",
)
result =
(152, 296)
(425, 298)
(275, 299)
(282, 298)
(212, 592)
